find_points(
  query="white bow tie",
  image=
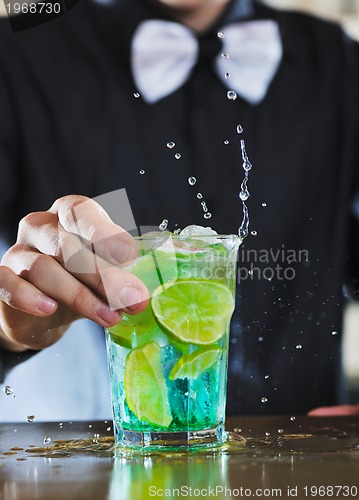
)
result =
(164, 54)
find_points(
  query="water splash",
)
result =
(177, 156)
(199, 196)
(220, 34)
(225, 56)
(142, 172)
(244, 193)
(30, 418)
(239, 129)
(171, 145)
(264, 399)
(47, 439)
(226, 142)
(231, 95)
(192, 181)
(163, 225)
(8, 390)
(227, 76)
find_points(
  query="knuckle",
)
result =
(39, 265)
(83, 302)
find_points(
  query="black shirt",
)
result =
(70, 123)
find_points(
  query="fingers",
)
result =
(24, 296)
(86, 218)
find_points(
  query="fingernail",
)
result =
(45, 304)
(106, 314)
(130, 297)
(119, 251)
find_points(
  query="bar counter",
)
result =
(284, 456)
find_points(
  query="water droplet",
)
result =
(254, 233)
(203, 203)
(192, 181)
(239, 129)
(207, 215)
(220, 34)
(226, 142)
(298, 346)
(244, 195)
(108, 429)
(199, 196)
(292, 419)
(30, 418)
(264, 400)
(137, 95)
(250, 271)
(280, 431)
(47, 439)
(225, 56)
(171, 145)
(227, 75)
(90, 426)
(260, 339)
(142, 172)
(333, 333)
(8, 390)
(177, 231)
(264, 204)
(266, 377)
(267, 434)
(163, 225)
(231, 95)
(243, 230)
(177, 156)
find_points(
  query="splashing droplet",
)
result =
(246, 163)
(171, 145)
(199, 196)
(280, 431)
(8, 390)
(177, 231)
(47, 439)
(220, 34)
(243, 230)
(226, 142)
(30, 418)
(177, 156)
(299, 346)
(292, 419)
(163, 225)
(239, 129)
(207, 215)
(333, 333)
(254, 233)
(264, 400)
(227, 76)
(266, 377)
(225, 56)
(244, 195)
(231, 95)
(136, 95)
(192, 181)
(264, 204)
(142, 172)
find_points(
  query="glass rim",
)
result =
(186, 237)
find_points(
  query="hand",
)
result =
(65, 265)
(334, 411)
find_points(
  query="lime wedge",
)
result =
(135, 330)
(194, 311)
(145, 385)
(193, 364)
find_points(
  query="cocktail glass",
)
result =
(168, 364)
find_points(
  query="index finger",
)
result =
(85, 218)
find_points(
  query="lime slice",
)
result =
(135, 330)
(194, 311)
(155, 268)
(193, 364)
(145, 385)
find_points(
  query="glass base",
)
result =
(158, 441)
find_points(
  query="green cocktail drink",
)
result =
(168, 364)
